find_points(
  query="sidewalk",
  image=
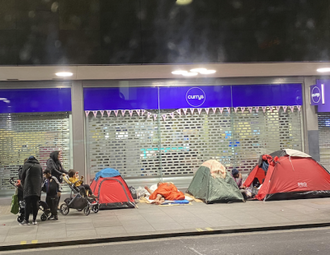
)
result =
(152, 219)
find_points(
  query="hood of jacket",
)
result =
(54, 156)
(32, 160)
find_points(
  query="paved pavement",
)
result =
(152, 219)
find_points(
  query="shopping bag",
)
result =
(14, 204)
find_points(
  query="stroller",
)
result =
(42, 205)
(78, 201)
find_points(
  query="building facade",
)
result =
(153, 130)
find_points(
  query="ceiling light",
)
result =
(198, 70)
(323, 70)
(207, 72)
(189, 74)
(64, 74)
(183, 2)
(179, 72)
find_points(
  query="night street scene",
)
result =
(164, 127)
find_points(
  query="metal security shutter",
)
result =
(257, 132)
(192, 138)
(127, 143)
(142, 147)
(324, 139)
(26, 134)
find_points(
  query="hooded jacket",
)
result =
(55, 165)
(51, 186)
(32, 178)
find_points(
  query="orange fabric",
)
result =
(269, 159)
(168, 191)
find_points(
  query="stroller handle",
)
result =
(12, 181)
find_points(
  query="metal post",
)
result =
(78, 128)
(311, 137)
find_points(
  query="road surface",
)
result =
(302, 242)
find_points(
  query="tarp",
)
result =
(179, 202)
(106, 172)
(216, 168)
(295, 153)
(214, 189)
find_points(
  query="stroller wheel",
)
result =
(64, 209)
(20, 218)
(43, 217)
(95, 208)
(87, 211)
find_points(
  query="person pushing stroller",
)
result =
(52, 187)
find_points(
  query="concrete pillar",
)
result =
(311, 127)
(78, 127)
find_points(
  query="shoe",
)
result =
(91, 200)
(92, 196)
(25, 223)
(51, 217)
(34, 223)
(55, 217)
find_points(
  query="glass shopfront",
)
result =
(170, 131)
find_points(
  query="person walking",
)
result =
(55, 166)
(32, 178)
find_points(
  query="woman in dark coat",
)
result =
(55, 166)
(32, 178)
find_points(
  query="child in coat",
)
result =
(53, 189)
(85, 189)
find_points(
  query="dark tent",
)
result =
(213, 184)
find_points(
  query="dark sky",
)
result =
(42, 32)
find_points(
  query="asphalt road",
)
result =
(304, 242)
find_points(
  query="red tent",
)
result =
(289, 174)
(112, 192)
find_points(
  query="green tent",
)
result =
(214, 189)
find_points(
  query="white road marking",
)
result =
(195, 251)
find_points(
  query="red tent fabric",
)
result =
(258, 173)
(291, 177)
(112, 192)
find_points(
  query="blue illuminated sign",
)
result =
(153, 98)
(195, 97)
(35, 100)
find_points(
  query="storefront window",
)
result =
(29, 128)
(160, 132)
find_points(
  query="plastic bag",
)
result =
(133, 192)
(14, 204)
(140, 192)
